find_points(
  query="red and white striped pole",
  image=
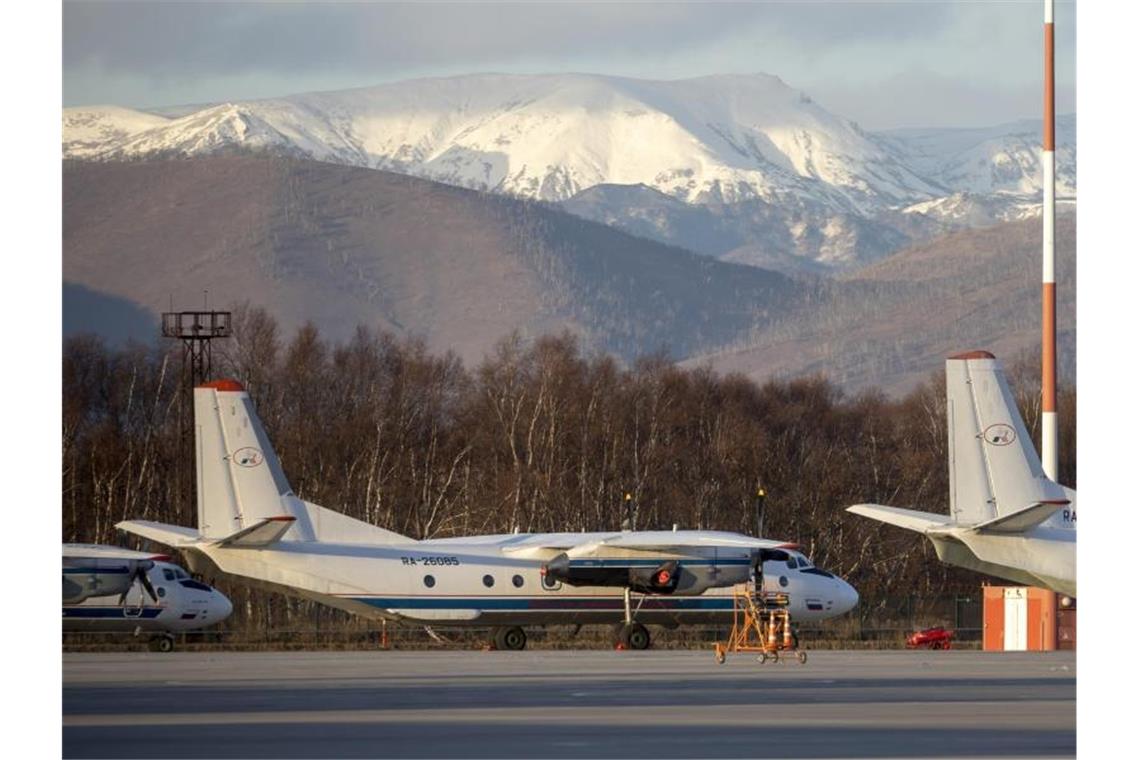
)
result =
(1048, 281)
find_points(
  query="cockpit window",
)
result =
(194, 585)
(803, 562)
(791, 563)
(180, 573)
(167, 573)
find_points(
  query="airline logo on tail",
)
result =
(1000, 434)
(248, 457)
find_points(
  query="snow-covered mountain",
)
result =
(1002, 159)
(548, 137)
(718, 141)
(88, 131)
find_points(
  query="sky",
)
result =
(883, 64)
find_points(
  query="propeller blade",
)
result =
(141, 574)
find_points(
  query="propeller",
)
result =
(140, 576)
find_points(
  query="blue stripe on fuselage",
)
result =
(544, 603)
(147, 613)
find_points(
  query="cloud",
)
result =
(169, 38)
(175, 52)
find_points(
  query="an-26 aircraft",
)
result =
(1007, 518)
(109, 589)
(252, 525)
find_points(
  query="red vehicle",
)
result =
(930, 638)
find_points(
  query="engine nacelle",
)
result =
(662, 579)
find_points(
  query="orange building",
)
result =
(1021, 618)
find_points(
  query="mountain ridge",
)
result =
(714, 141)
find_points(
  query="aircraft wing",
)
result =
(95, 551)
(661, 541)
(658, 541)
(910, 519)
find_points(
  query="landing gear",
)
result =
(162, 643)
(512, 638)
(634, 636)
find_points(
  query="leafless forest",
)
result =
(537, 437)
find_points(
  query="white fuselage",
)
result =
(1043, 556)
(182, 604)
(480, 581)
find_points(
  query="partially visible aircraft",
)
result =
(106, 588)
(251, 524)
(1007, 518)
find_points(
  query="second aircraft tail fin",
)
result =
(995, 472)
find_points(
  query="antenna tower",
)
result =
(197, 330)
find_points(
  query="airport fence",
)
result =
(877, 624)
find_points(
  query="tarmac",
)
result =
(555, 704)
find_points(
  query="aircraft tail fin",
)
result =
(995, 474)
(240, 480)
(244, 499)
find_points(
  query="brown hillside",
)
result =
(342, 246)
(893, 323)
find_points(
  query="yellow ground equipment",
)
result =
(760, 623)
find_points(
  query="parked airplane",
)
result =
(106, 588)
(1006, 517)
(250, 524)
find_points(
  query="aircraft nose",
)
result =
(221, 607)
(848, 597)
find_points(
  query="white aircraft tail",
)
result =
(244, 499)
(996, 480)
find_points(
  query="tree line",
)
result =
(540, 436)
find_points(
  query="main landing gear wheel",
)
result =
(161, 643)
(634, 636)
(513, 638)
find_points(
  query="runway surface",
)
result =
(568, 704)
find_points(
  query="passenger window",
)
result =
(518, 581)
(161, 591)
(429, 580)
(783, 580)
(488, 581)
(551, 584)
